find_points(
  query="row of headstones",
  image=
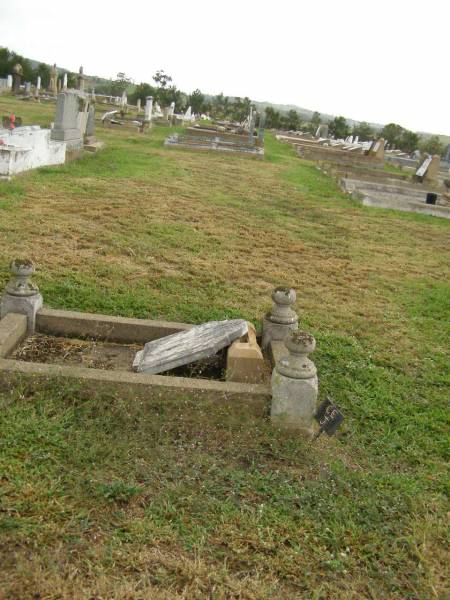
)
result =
(294, 377)
(14, 81)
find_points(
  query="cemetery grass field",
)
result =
(103, 496)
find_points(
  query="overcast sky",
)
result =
(379, 61)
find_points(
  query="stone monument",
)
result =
(81, 79)
(295, 385)
(17, 74)
(148, 108)
(53, 83)
(66, 121)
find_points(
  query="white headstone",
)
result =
(9, 81)
(38, 82)
(65, 82)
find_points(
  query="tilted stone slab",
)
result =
(189, 346)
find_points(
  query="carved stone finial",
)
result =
(297, 364)
(282, 319)
(20, 284)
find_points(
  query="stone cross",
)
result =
(22, 295)
(295, 385)
(278, 323)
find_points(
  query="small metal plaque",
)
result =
(329, 417)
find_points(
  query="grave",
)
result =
(105, 351)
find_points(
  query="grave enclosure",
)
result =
(359, 169)
(98, 351)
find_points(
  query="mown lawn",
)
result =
(108, 497)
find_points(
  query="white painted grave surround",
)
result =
(28, 147)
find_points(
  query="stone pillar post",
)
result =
(9, 82)
(53, 84)
(148, 108)
(21, 295)
(262, 122)
(138, 105)
(65, 82)
(278, 323)
(295, 386)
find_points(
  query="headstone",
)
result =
(53, 84)
(188, 114)
(66, 120)
(59, 84)
(172, 109)
(423, 167)
(22, 295)
(17, 78)
(65, 82)
(38, 83)
(201, 341)
(376, 150)
(90, 126)
(282, 319)
(28, 88)
(431, 174)
(148, 108)
(138, 105)
(9, 81)
(124, 100)
(295, 385)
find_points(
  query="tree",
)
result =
(315, 120)
(339, 128)
(433, 145)
(141, 92)
(273, 118)
(161, 78)
(293, 120)
(197, 101)
(409, 141)
(221, 106)
(43, 71)
(392, 133)
(364, 131)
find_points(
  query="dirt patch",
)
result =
(97, 354)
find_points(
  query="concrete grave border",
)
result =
(113, 329)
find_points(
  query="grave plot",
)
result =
(238, 140)
(217, 359)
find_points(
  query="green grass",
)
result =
(104, 495)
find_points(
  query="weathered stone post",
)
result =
(9, 82)
(17, 78)
(262, 122)
(138, 105)
(64, 85)
(38, 86)
(81, 77)
(22, 295)
(148, 108)
(278, 323)
(295, 386)
(53, 83)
